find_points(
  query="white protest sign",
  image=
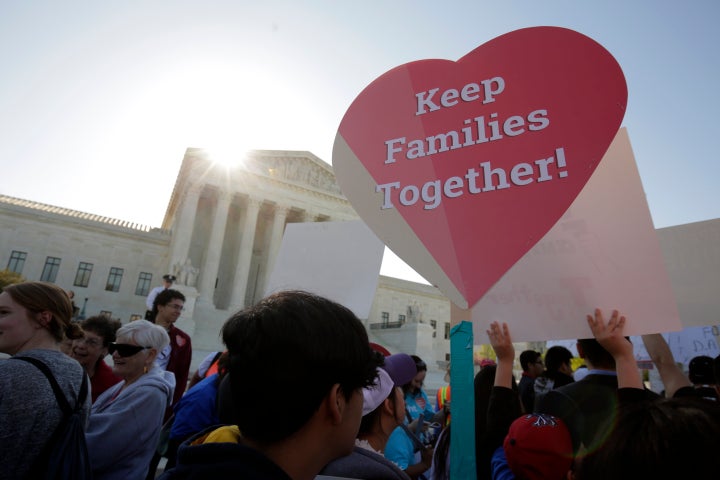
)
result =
(602, 253)
(694, 341)
(336, 260)
(692, 256)
(460, 167)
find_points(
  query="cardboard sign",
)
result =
(603, 252)
(685, 345)
(695, 341)
(461, 167)
(692, 257)
(337, 260)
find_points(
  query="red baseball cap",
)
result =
(539, 447)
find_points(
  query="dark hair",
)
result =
(527, 357)
(700, 370)
(483, 386)
(165, 297)
(102, 326)
(369, 420)
(39, 297)
(556, 357)
(667, 438)
(441, 456)
(292, 343)
(420, 365)
(594, 353)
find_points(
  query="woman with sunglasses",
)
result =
(34, 320)
(125, 420)
(91, 350)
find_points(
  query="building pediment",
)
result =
(299, 168)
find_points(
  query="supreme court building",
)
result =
(221, 233)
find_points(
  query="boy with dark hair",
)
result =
(176, 357)
(298, 363)
(532, 366)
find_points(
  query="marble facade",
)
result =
(221, 232)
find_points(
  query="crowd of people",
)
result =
(300, 392)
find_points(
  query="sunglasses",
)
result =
(125, 349)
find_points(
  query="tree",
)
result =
(8, 277)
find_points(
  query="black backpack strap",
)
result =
(59, 394)
(417, 443)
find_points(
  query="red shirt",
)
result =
(179, 362)
(103, 379)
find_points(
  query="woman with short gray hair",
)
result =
(126, 419)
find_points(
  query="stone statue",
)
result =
(176, 271)
(187, 274)
(414, 315)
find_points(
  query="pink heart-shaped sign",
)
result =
(461, 167)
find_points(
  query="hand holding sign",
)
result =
(461, 167)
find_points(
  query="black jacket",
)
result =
(222, 460)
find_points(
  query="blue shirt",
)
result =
(418, 404)
(399, 449)
(197, 409)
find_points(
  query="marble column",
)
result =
(209, 270)
(278, 228)
(242, 270)
(183, 229)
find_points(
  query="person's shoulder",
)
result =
(706, 393)
(593, 380)
(562, 379)
(157, 378)
(590, 386)
(398, 436)
(180, 333)
(202, 457)
(12, 369)
(207, 387)
(61, 365)
(363, 463)
(525, 381)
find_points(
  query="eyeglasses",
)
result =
(90, 342)
(175, 306)
(125, 349)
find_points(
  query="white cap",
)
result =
(375, 395)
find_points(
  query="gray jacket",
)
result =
(123, 432)
(363, 463)
(29, 412)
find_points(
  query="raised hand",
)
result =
(501, 342)
(612, 338)
(610, 335)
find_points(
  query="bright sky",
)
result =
(99, 100)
